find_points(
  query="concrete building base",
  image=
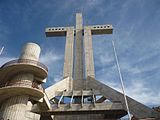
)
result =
(81, 117)
(14, 108)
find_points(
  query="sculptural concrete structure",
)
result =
(77, 96)
(21, 81)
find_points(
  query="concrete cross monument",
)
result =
(79, 95)
(86, 45)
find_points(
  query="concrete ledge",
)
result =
(55, 31)
(13, 68)
(88, 107)
(9, 91)
(100, 29)
(113, 110)
(77, 93)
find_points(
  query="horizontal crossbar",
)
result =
(95, 30)
(77, 93)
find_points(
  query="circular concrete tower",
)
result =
(20, 81)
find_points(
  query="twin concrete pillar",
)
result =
(79, 75)
(14, 107)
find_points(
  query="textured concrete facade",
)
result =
(82, 91)
(89, 62)
(136, 108)
(69, 48)
(30, 51)
(78, 72)
(14, 107)
(83, 97)
(30, 115)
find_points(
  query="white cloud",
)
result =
(54, 64)
(143, 93)
(49, 57)
(136, 89)
(105, 59)
(136, 85)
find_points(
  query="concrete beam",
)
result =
(55, 31)
(30, 115)
(87, 108)
(101, 29)
(100, 100)
(63, 85)
(89, 61)
(136, 108)
(78, 93)
(82, 117)
(79, 49)
(69, 48)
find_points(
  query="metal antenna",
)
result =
(1, 50)
(121, 80)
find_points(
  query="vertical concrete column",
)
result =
(69, 47)
(89, 61)
(14, 107)
(79, 48)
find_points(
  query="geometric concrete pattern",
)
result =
(78, 96)
(20, 84)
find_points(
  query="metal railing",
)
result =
(23, 83)
(26, 61)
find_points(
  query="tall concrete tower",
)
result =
(79, 95)
(20, 82)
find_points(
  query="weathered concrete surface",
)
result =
(55, 31)
(137, 109)
(85, 108)
(30, 51)
(14, 107)
(78, 93)
(81, 117)
(17, 105)
(29, 115)
(69, 48)
(50, 92)
(65, 84)
(88, 50)
(101, 29)
(78, 72)
(80, 83)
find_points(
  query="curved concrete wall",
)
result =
(30, 51)
(27, 78)
(14, 108)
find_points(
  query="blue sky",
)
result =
(136, 34)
